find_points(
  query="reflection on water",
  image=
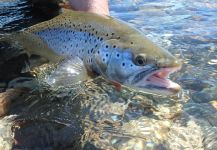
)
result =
(93, 115)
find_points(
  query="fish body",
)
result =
(106, 46)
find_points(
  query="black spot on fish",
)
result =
(113, 33)
(85, 26)
(131, 65)
(96, 32)
(92, 50)
(118, 37)
(131, 42)
(76, 45)
(89, 26)
(98, 52)
(88, 52)
(106, 55)
(95, 40)
(114, 46)
(96, 46)
(106, 46)
(103, 59)
(93, 29)
(107, 34)
(101, 39)
(85, 41)
(123, 64)
(80, 29)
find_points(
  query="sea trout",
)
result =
(107, 47)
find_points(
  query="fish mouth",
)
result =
(158, 82)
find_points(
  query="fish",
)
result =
(108, 47)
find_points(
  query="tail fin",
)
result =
(8, 48)
(12, 58)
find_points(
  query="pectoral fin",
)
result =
(68, 72)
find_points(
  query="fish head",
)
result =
(138, 63)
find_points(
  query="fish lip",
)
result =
(158, 80)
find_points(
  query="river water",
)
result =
(93, 115)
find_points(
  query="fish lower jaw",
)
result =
(163, 83)
(159, 80)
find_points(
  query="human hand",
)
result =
(95, 6)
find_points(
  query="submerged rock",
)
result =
(6, 98)
(24, 83)
(6, 134)
(205, 96)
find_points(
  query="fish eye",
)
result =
(140, 60)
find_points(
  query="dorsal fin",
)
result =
(64, 11)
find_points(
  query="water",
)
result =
(93, 115)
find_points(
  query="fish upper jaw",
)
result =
(168, 62)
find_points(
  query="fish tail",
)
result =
(7, 37)
(8, 47)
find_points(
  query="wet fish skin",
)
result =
(106, 45)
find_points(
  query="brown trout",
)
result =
(107, 47)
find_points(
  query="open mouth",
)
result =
(159, 80)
